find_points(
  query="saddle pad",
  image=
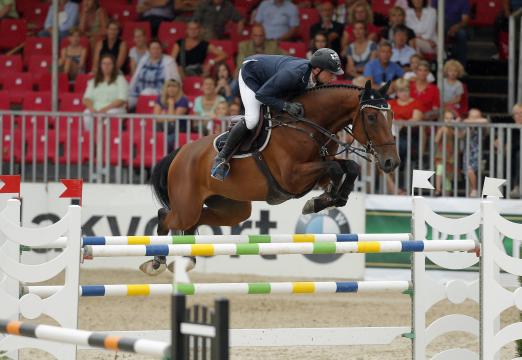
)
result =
(259, 143)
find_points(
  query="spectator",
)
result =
(258, 44)
(343, 9)
(332, 29)
(456, 18)
(414, 63)
(360, 51)
(422, 19)
(225, 83)
(502, 27)
(401, 52)
(152, 72)
(190, 52)
(234, 109)
(67, 18)
(8, 9)
(280, 18)
(112, 44)
(73, 57)
(453, 88)
(155, 11)
(445, 136)
(397, 17)
(361, 11)
(214, 14)
(93, 21)
(319, 41)
(405, 108)
(403, 4)
(222, 111)
(139, 50)
(106, 93)
(205, 105)
(427, 93)
(472, 162)
(171, 101)
(381, 70)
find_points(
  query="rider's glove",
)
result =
(295, 109)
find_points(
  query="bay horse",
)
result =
(300, 155)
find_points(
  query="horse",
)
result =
(301, 154)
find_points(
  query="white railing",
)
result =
(124, 148)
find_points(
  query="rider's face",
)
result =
(325, 77)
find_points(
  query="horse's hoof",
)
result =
(152, 268)
(191, 264)
(309, 207)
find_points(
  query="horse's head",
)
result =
(373, 127)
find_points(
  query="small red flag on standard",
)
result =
(11, 184)
(73, 188)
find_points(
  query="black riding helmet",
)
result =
(327, 59)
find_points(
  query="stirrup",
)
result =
(220, 169)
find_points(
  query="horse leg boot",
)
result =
(326, 199)
(352, 171)
(159, 264)
(221, 166)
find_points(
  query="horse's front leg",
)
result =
(316, 171)
(351, 170)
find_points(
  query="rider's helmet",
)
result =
(327, 59)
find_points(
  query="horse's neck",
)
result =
(332, 109)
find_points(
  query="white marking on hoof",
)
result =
(148, 268)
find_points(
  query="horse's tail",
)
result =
(159, 178)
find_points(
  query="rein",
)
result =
(369, 148)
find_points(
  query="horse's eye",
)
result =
(372, 118)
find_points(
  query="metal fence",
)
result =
(124, 148)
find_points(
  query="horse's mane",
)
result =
(333, 86)
(325, 87)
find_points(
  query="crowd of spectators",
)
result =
(212, 38)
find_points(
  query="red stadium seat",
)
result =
(145, 104)
(248, 4)
(40, 64)
(121, 12)
(14, 32)
(5, 103)
(37, 46)
(12, 81)
(192, 85)
(35, 13)
(80, 84)
(120, 144)
(70, 103)
(43, 150)
(238, 37)
(11, 138)
(153, 150)
(382, 6)
(228, 46)
(486, 11)
(43, 82)
(171, 31)
(297, 49)
(128, 31)
(78, 148)
(11, 63)
(307, 17)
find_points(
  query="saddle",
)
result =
(256, 141)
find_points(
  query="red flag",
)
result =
(11, 184)
(73, 188)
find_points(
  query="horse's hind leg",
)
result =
(159, 264)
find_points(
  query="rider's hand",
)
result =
(294, 109)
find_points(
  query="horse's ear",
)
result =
(384, 89)
(368, 85)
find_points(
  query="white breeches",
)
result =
(251, 104)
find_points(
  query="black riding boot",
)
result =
(221, 167)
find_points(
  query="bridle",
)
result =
(368, 149)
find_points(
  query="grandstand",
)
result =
(45, 143)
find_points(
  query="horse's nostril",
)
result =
(388, 164)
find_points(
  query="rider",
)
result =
(266, 79)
